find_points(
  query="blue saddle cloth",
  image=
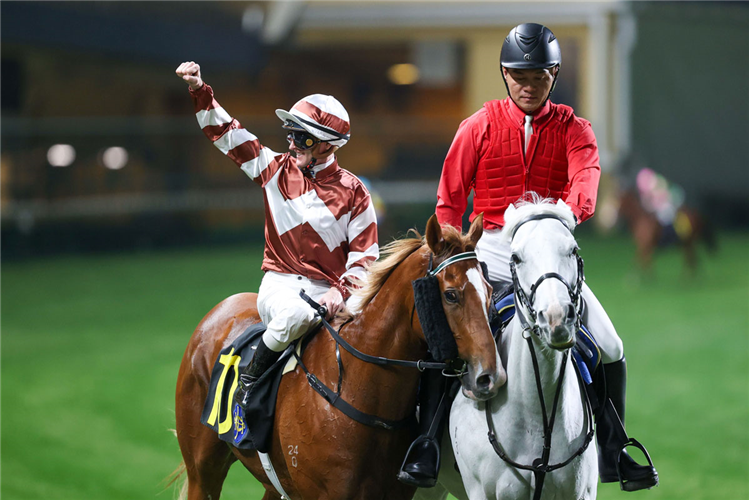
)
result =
(585, 354)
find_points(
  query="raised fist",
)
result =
(190, 72)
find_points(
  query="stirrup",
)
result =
(635, 484)
(419, 481)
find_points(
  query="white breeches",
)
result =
(496, 253)
(286, 316)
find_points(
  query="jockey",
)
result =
(525, 143)
(320, 222)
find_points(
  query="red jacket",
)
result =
(487, 156)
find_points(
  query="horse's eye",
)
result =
(451, 296)
(516, 259)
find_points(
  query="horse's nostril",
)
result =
(484, 383)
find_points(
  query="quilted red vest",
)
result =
(504, 174)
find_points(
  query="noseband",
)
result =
(527, 301)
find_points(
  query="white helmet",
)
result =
(321, 116)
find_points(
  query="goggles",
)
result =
(301, 138)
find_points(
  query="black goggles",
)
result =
(302, 140)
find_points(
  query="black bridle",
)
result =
(541, 466)
(526, 301)
(333, 397)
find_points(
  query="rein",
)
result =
(540, 466)
(333, 397)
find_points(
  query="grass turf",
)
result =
(91, 347)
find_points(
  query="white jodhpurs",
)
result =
(493, 250)
(286, 316)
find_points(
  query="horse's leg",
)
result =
(207, 459)
(690, 256)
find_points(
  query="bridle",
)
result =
(333, 397)
(521, 298)
(541, 466)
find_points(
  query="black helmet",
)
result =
(530, 46)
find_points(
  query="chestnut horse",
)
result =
(649, 234)
(317, 451)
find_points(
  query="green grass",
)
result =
(91, 347)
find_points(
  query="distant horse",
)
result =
(541, 423)
(317, 451)
(689, 228)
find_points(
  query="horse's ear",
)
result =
(476, 230)
(434, 235)
(509, 211)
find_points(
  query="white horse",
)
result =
(548, 279)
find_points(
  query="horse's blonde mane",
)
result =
(395, 252)
(535, 205)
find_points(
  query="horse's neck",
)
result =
(384, 328)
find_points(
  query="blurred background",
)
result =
(122, 225)
(100, 148)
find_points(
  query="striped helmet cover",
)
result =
(321, 115)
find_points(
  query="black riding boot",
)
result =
(614, 463)
(422, 462)
(260, 362)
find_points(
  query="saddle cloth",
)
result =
(585, 354)
(251, 430)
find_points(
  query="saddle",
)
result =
(253, 431)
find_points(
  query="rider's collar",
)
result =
(322, 170)
(517, 115)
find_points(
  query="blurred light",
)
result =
(403, 74)
(61, 155)
(252, 19)
(114, 158)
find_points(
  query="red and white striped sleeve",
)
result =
(362, 239)
(228, 135)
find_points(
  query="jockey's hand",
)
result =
(333, 300)
(190, 72)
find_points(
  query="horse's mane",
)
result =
(535, 205)
(395, 252)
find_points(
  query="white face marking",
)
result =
(474, 276)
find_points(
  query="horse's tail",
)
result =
(176, 477)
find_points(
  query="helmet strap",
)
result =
(553, 84)
(316, 157)
(307, 170)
